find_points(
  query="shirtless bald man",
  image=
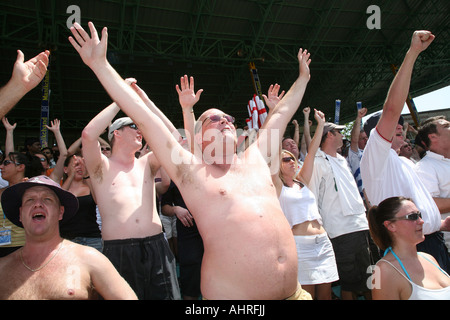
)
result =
(249, 249)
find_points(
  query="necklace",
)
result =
(45, 264)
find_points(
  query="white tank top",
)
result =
(299, 205)
(421, 293)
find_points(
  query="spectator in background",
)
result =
(358, 141)
(316, 260)
(32, 145)
(343, 213)
(47, 151)
(434, 168)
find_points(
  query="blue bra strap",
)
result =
(398, 259)
(434, 264)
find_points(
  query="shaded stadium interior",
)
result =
(157, 41)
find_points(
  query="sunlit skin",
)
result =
(406, 234)
(249, 249)
(40, 208)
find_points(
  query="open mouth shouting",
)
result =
(38, 216)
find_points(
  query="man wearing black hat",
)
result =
(384, 174)
(47, 266)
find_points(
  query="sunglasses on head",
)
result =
(288, 159)
(413, 216)
(218, 117)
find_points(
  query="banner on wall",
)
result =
(45, 110)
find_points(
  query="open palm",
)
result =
(91, 49)
(30, 73)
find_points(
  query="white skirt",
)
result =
(316, 260)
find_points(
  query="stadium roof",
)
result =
(157, 41)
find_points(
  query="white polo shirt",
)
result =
(338, 199)
(434, 171)
(386, 175)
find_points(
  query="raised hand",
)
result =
(304, 61)
(55, 126)
(7, 125)
(361, 113)
(320, 117)
(306, 112)
(272, 97)
(91, 49)
(186, 93)
(30, 73)
(421, 40)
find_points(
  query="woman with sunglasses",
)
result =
(404, 274)
(316, 260)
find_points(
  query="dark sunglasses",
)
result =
(106, 149)
(413, 216)
(6, 162)
(217, 117)
(288, 159)
(132, 126)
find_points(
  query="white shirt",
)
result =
(337, 195)
(386, 175)
(434, 171)
(298, 205)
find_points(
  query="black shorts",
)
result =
(352, 259)
(147, 264)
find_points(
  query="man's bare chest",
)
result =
(65, 282)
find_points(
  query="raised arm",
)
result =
(154, 109)
(25, 76)
(89, 138)
(306, 171)
(93, 53)
(58, 172)
(399, 89)
(188, 98)
(356, 130)
(9, 143)
(278, 119)
(306, 127)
